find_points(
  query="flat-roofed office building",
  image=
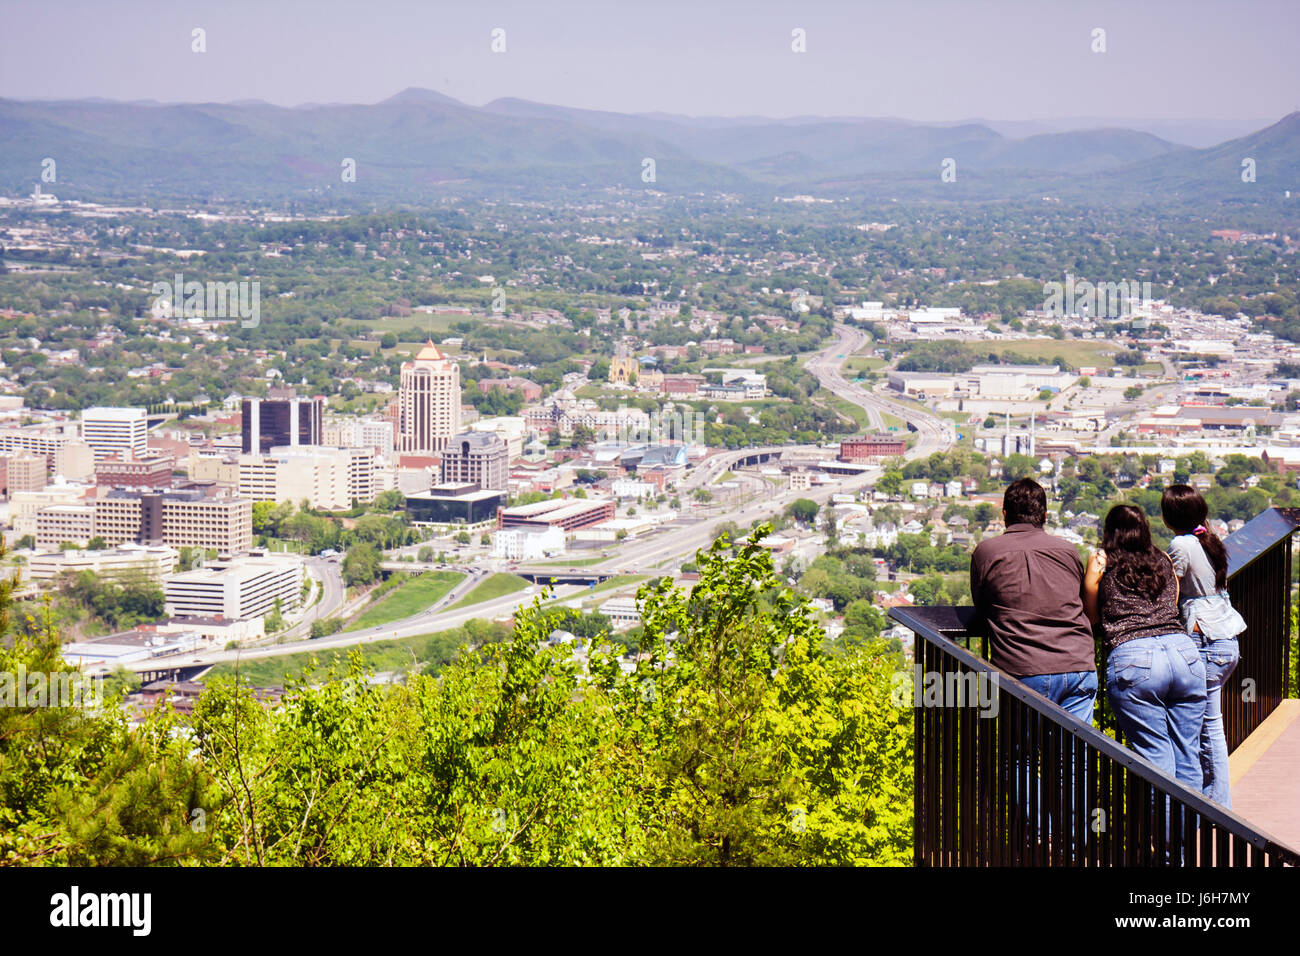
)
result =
(565, 514)
(245, 588)
(463, 504)
(24, 506)
(151, 471)
(329, 478)
(23, 471)
(152, 562)
(176, 518)
(116, 432)
(47, 440)
(57, 524)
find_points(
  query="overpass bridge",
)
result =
(150, 671)
(749, 457)
(536, 574)
(562, 576)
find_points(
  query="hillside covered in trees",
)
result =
(738, 740)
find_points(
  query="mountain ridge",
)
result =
(417, 138)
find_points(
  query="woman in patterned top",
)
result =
(1155, 678)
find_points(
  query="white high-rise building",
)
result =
(120, 432)
(428, 402)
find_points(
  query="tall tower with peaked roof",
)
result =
(623, 367)
(428, 402)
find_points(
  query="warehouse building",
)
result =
(565, 514)
(869, 447)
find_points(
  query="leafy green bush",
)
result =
(737, 739)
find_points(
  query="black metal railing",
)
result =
(1004, 777)
(1259, 580)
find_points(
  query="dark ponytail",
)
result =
(1186, 512)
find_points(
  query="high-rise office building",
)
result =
(281, 420)
(478, 457)
(116, 432)
(428, 402)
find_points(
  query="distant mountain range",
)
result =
(420, 144)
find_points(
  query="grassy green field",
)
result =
(844, 407)
(408, 598)
(417, 326)
(893, 421)
(498, 585)
(1077, 352)
(284, 546)
(863, 363)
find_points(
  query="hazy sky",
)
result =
(923, 60)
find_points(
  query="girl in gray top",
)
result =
(1201, 563)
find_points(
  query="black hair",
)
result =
(1136, 563)
(1185, 511)
(1025, 502)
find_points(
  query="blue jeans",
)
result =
(1220, 658)
(1157, 688)
(1073, 692)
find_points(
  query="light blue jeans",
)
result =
(1157, 688)
(1220, 658)
(1074, 692)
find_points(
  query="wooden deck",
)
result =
(1265, 775)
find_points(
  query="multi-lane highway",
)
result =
(333, 594)
(933, 433)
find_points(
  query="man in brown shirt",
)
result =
(1027, 587)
